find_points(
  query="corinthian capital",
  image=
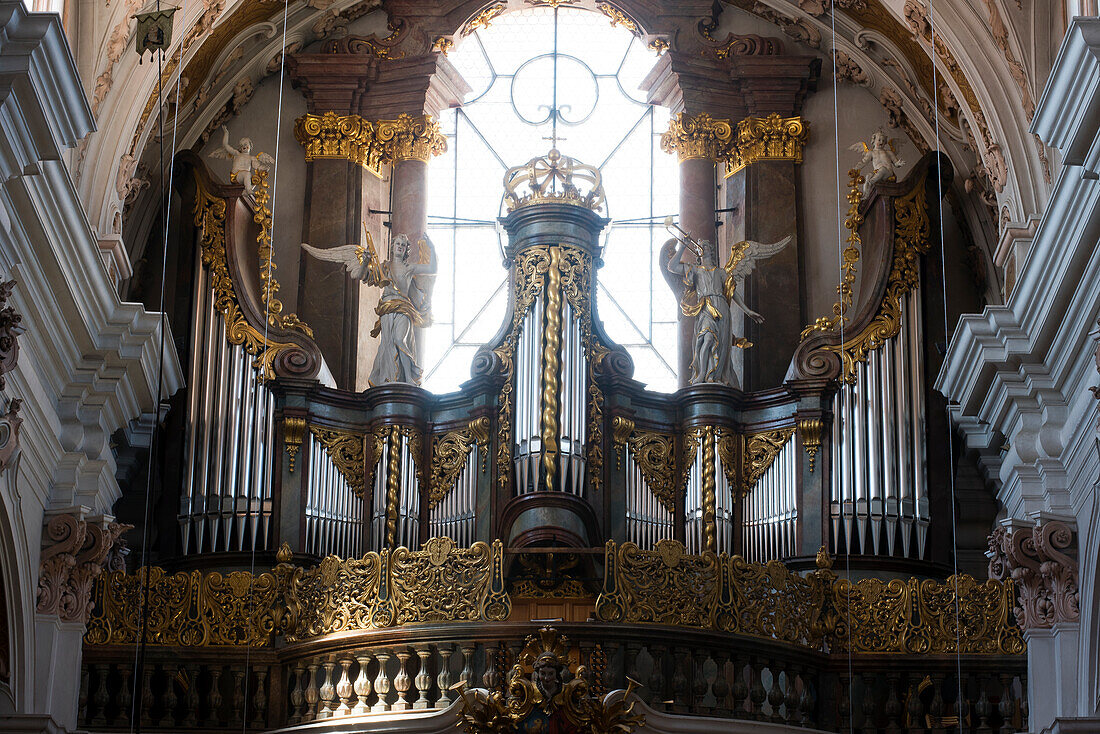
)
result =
(698, 136)
(410, 138)
(73, 553)
(1040, 560)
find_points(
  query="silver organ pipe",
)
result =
(454, 515)
(693, 505)
(408, 514)
(770, 512)
(647, 520)
(334, 513)
(878, 498)
(226, 501)
(572, 403)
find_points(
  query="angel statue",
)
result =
(243, 160)
(882, 157)
(405, 306)
(707, 293)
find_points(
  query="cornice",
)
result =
(1068, 110)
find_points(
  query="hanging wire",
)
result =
(165, 217)
(946, 334)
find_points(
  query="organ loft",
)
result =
(548, 366)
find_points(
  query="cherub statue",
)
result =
(882, 157)
(243, 160)
(405, 306)
(707, 292)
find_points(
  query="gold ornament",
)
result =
(344, 137)
(409, 138)
(709, 495)
(393, 485)
(555, 179)
(617, 16)
(730, 453)
(345, 449)
(654, 454)
(698, 136)
(759, 453)
(484, 18)
(443, 45)
(273, 307)
(449, 453)
(771, 138)
(294, 431)
(850, 258)
(551, 368)
(810, 431)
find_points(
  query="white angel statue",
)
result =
(243, 162)
(707, 294)
(405, 306)
(884, 160)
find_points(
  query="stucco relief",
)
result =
(73, 554)
(1039, 560)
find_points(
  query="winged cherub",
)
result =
(242, 160)
(707, 293)
(884, 161)
(405, 305)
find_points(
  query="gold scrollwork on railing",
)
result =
(668, 586)
(345, 449)
(440, 583)
(911, 228)
(654, 454)
(210, 211)
(759, 453)
(449, 453)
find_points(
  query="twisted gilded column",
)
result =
(551, 369)
(393, 486)
(709, 492)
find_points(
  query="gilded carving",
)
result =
(294, 431)
(393, 485)
(698, 136)
(345, 137)
(759, 453)
(73, 554)
(729, 454)
(910, 242)
(553, 178)
(810, 431)
(655, 454)
(345, 449)
(409, 138)
(771, 138)
(551, 368)
(269, 286)
(617, 17)
(449, 453)
(850, 258)
(484, 18)
(707, 486)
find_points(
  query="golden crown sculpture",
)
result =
(553, 178)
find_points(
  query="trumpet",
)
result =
(679, 233)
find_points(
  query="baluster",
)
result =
(190, 695)
(259, 701)
(297, 697)
(148, 698)
(313, 695)
(382, 683)
(740, 689)
(124, 694)
(656, 676)
(775, 694)
(915, 711)
(612, 668)
(1004, 706)
(492, 677)
(402, 682)
(362, 685)
(423, 681)
(868, 704)
(82, 701)
(467, 674)
(443, 679)
(177, 683)
(721, 686)
(807, 700)
(680, 700)
(757, 694)
(982, 707)
(844, 702)
(936, 708)
(699, 681)
(238, 695)
(99, 695)
(216, 694)
(1022, 726)
(892, 708)
(327, 691)
(344, 689)
(790, 700)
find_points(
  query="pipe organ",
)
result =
(552, 443)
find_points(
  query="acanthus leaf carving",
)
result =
(74, 550)
(1039, 560)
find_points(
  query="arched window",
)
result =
(542, 77)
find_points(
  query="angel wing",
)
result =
(743, 259)
(264, 161)
(221, 154)
(859, 147)
(353, 257)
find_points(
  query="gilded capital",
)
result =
(410, 138)
(698, 136)
(771, 138)
(345, 137)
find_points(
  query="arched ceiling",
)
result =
(960, 76)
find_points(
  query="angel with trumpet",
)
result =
(405, 307)
(706, 293)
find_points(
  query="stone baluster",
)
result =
(721, 686)
(867, 705)
(806, 701)
(362, 686)
(790, 699)
(1005, 706)
(892, 707)
(680, 700)
(467, 674)
(259, 701)
(740, 689)
(178, 712)
(656, 676)
(148, 697)
(699, 684)
(327, 691)
(775, 694)
(313, 694)
(915, 711)
(983, 708)
(125, 699)
(82, 700)
(382, 683)
(190, 694)
(613, 669)
(402, 682)
(238, 695)
(630, 662)
(423, 681)
(216, 694)
(937, 708)
(443, 679)
(492, 676)
(99, 695)
(344, 688)
(1022, 725)
(757, 694)
(844, 702)
(297, 697)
